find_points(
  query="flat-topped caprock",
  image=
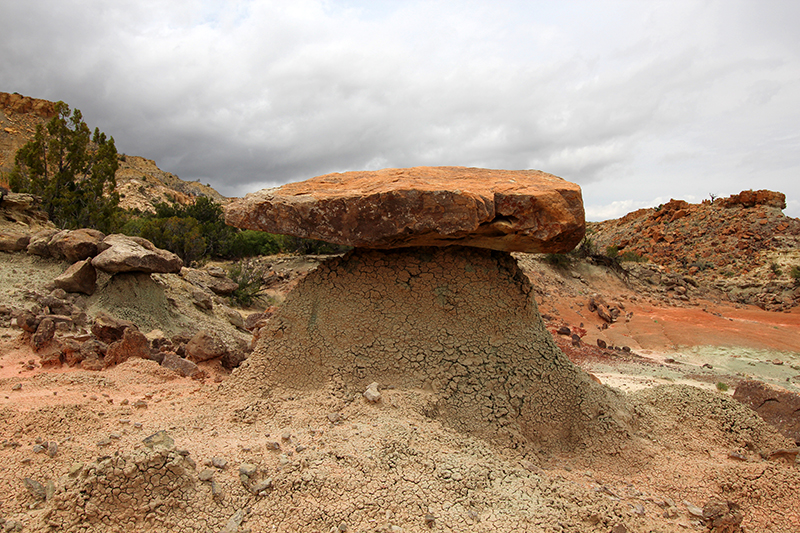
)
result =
(507, 210)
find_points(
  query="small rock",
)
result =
(219, 462)
(564, 330)
(262, 485)
(333, 418)
(159, 439)
(430, 520)
(286, 435)
(371, 394)
(206, 474)
(232, 526)
(619, 528)
(52, 448)
(17, 386)
(39, 448)
(216, 489)
(36, 489)
(248, 469)
(693, 510)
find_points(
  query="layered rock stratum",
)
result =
(509, 210)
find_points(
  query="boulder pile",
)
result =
(456, 321)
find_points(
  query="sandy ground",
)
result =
(349, 465)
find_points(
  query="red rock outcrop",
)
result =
(522, 210)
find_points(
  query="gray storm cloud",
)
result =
(637, 102)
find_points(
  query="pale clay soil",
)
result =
(344, 464)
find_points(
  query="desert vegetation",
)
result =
(72, 171)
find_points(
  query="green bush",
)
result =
(250, 282)
(795, 273)
(633, 257)
(722, 386)
(612, 251)
(558, 260)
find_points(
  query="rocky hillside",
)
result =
(140, 183)
(743, 246)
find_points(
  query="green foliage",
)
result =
(776, 269)
(795, 273)
(251, 283)
(72, 170)
(722, 386)
(558, 260)
(632, 257)
(612, 251)
(249, 243)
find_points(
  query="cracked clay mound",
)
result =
(458, 322)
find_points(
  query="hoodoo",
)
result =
(441, 307)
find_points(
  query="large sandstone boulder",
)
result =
(75, 245)
(523, 211)
(79, 277)
(457, 322)
(120, 253)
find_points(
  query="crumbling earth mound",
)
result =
(459, 322)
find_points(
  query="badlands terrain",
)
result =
(138, 447)
(145, 400)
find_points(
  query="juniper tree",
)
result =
(71, 169)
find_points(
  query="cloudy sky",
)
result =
(637, 101)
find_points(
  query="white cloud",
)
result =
(631, 100)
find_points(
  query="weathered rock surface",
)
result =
(79, 277)
(524, 210)
(75, 245)
(459, 322)
(779, 408)
(120, 253)
(204, 346)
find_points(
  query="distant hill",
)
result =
(140, 183)
(743, 245)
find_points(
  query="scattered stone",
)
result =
(52, 448)
(524, 211)
(247, 469)
(202, 300)
(79, 277)
(262, 486)
(140, 404)
(109, 329)
(430, 520)
(216, 489)
(219, 462)
(132, 344)
(180, 365)
(204, 346)
(36, 489)
(233, 359)
(13, 241)
(232, 526)
(723, 517)
(16, 386)
(601, 344)
(787, 454)
(693, 510)
(206, 474)
(372, 394)
(272, 445)
(564, 330)
(233, 316)
(159, 439)
(104, 442)
(576, 339)
(619, 528)
(44, 333)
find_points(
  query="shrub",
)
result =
(776, 269)
(558, 260)
(722, 386)
(633, 257)
(250, 280)
(795, 273)
(612, 251)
